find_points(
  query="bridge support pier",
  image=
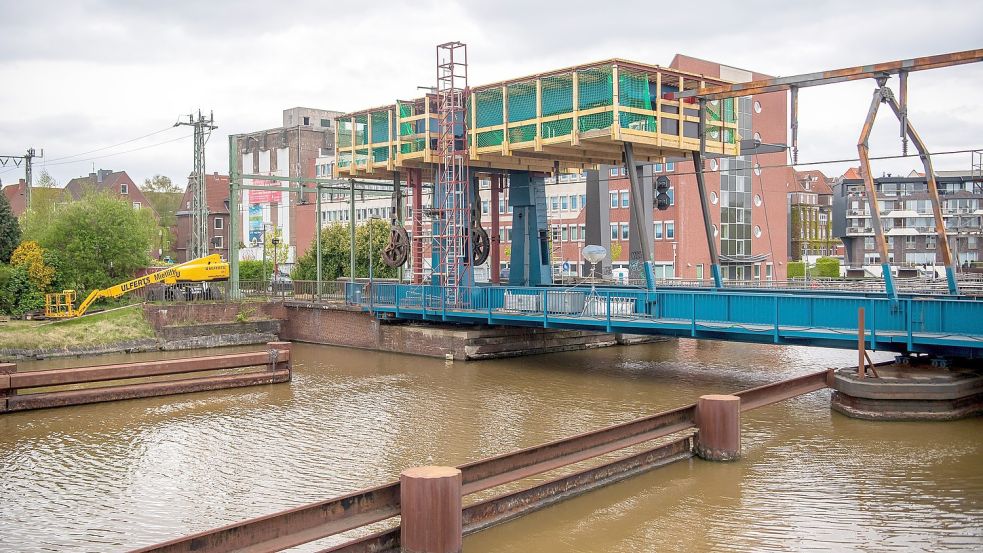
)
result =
(718, 418)
(430, 510)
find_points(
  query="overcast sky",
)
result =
(82, 75)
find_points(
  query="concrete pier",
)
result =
(906, 392)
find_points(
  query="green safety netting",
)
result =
(595, 89)
(361, 156)
(410, 144)
(488, 113)
(344, 134)
(380, 126)
(522, 107)
(361, 129)
(557, 100)
(634, 91)
(344, 159)
(714, 108)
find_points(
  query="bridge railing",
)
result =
(777, 314)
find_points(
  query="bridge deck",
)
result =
(951, 326)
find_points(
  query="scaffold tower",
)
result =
(451, 223)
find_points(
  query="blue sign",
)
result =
(566, 265)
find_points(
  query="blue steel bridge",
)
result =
(939, 325)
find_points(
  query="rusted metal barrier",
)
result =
(327, 518)
(273, 366)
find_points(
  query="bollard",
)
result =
(6, 369)
(274, 347)
(430, 510)
(718, 418)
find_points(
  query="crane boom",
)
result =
(204, 269)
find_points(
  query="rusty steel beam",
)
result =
(148, 389)
(506, 507)
(786, 389)
(829, 77)
(101, 373)
(510, 467)
(294, 526)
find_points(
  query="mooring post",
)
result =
(718, 419)
(274, 348)
(6, 369)
(861, 344)
(430, 510)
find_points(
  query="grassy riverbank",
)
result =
(110, 327)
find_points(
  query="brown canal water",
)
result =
(112, 476)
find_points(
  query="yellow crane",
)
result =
(60, 305)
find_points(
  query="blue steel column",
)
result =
(530, 257)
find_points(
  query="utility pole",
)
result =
(199, 204)
(26, 159)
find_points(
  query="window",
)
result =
(868, 242)
(124, 188)
(757, 272)
(219, 243)
(614, 231)
(699, 271)
(326, 123)
(219, 223)
(583, 232)
(136, 205)
(614, 172)
(768, 272)
(555, 233)
(624, 198)
(672, 195)
(564, 233)
(930, 242)
(909, 242)
(670, 167)
(624, 231)
(614, 199)
(501, 205)
(583, 200)
(657, 168)
(508, 234)
(307, 120)
(485, 206)
(564, 202)
(670, 230)
(658, 230)
(573, 202)
(555, 202)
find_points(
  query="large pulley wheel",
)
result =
(480, 245)
(397, 251)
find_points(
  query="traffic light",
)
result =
(662, 200)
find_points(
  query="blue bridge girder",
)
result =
(950, 326)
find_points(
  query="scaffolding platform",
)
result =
(578, 116)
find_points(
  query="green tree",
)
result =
(101, 240)
(336, 256)
(45, 180)
(253, 270)
(827, 267)
(165, 197)
(9, 230)
(19, 294)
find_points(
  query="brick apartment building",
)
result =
(810, 217)
(106, 180)
(217, 198)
